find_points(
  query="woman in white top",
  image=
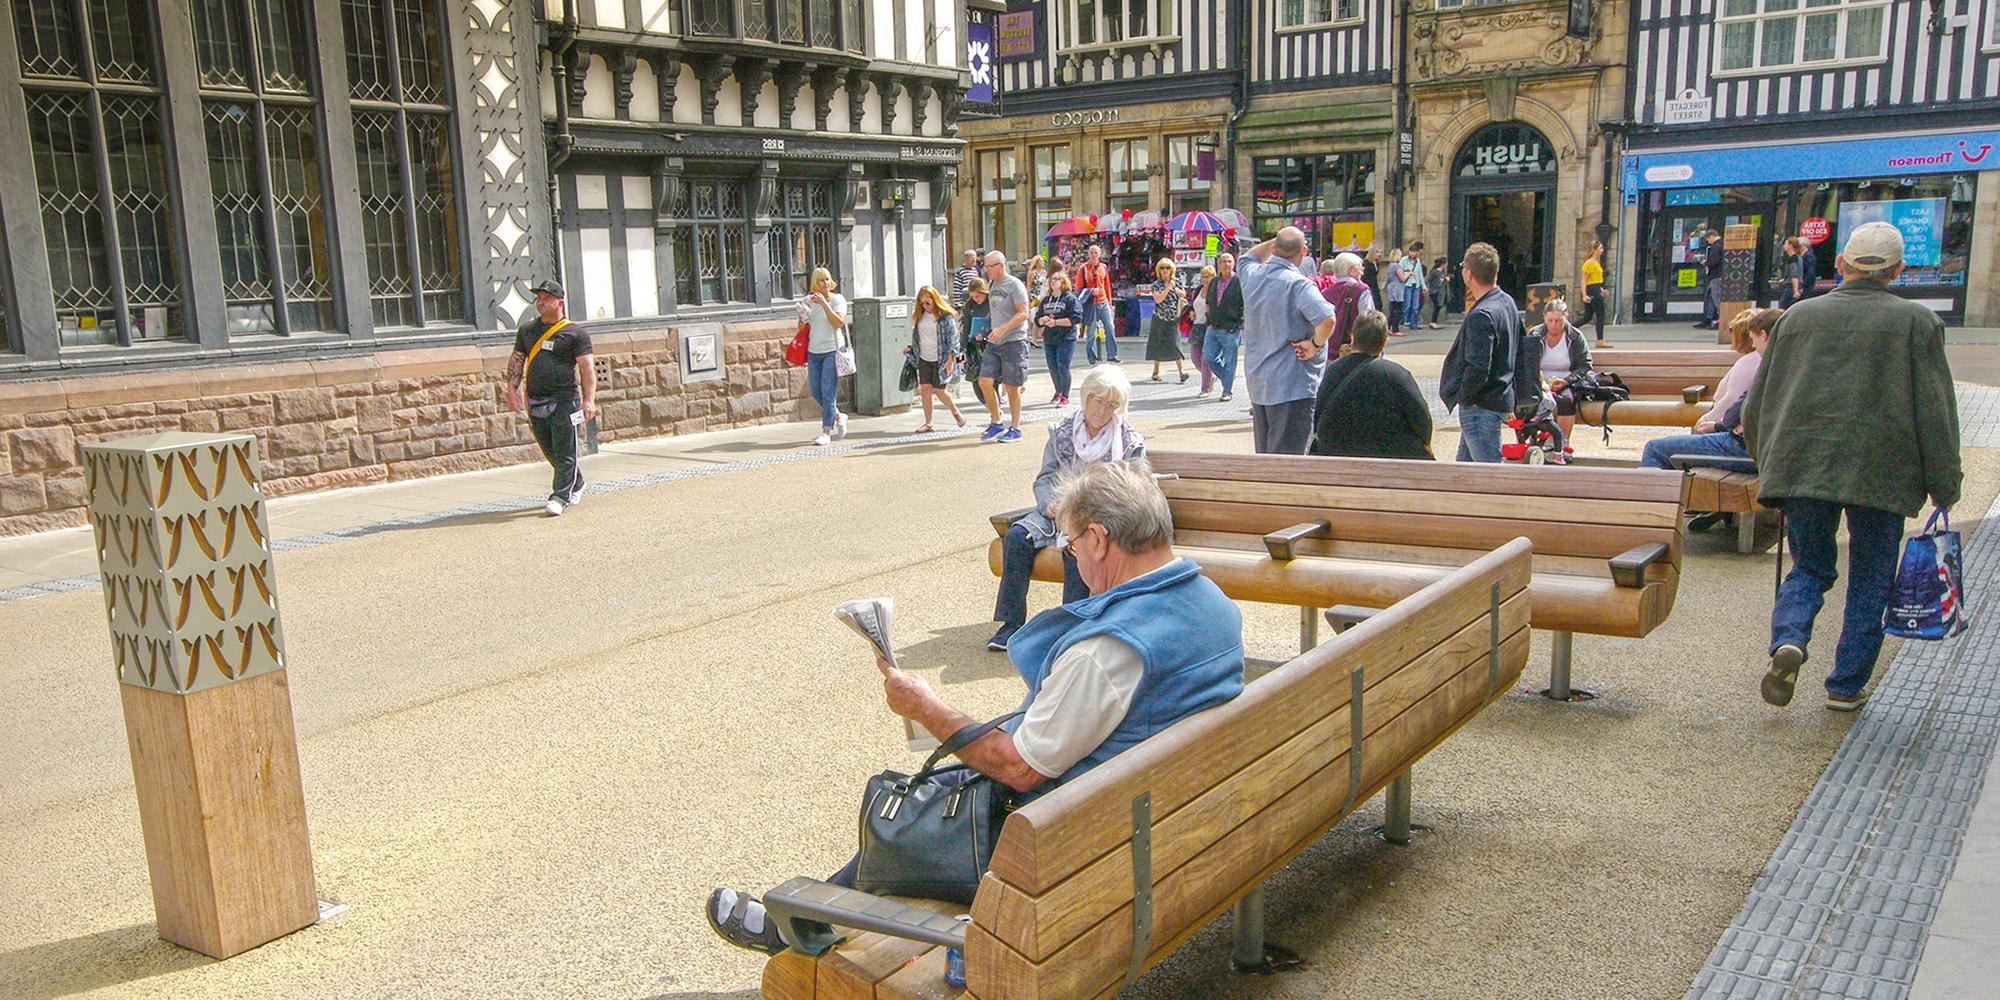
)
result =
(825, 312)
(1563, 357)
(1198, 331)
(935, 347)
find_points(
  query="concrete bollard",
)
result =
(184, 548)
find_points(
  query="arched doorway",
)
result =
(1503, 192)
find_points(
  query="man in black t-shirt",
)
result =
(553, 356)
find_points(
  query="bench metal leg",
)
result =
(1746, 531)
(1251, 954)
(1561, 645)
(1308, 629)
(1396, 810)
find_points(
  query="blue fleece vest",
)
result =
(1188, 634)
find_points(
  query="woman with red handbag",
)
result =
(829, 354)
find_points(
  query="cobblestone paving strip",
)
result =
(1843, 907)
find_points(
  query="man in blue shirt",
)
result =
(1478, 377)
(1286, 324)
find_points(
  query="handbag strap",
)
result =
(543, 342)
(1936, 514)
(965, 737)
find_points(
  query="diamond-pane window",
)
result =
(121, 39)
(46, 36)
(711, 243)
(801, 237)
(404, 153)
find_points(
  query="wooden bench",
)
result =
(1316, 532)
(1669, 388)
(1728, 491)
(1095, 882)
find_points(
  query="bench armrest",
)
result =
(1689, 462)
(1692, 393)
(1345, 616)
(1280, 542)
(1001, 522)
(1628, 569)
(804, 907)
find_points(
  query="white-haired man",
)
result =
(1853, 414)
(1005, 360)
(1286, 326)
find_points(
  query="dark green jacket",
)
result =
(1854, 404)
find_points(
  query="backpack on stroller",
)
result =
(1538, 439)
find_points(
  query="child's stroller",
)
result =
(1538, 439)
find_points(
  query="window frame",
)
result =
(1061, 187)
(1285, 25)
(1843, 9)
(794, 282)
(1132, 184)
(1163, 27)
(687, 222)
(1000, 200)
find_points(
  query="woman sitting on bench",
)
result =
(1096, 432)
(1156, 643)
(1719, 434)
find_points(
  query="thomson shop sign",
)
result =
(1890, 156)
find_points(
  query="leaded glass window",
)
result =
(261, 125)
(96, 141)
(712, 242)
(801, 236)
(708, 17)
(404, 150)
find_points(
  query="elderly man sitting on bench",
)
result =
(1156, 642)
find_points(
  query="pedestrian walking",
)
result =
(1004, 363)
(1395, 285)
(1437, 286)
(1094, 278)
(1036, 277)
(1163, 335)
(1711, 278)
(1852, 414)
(1595, 306)
(1413, 288)
(1341, 287)
(825, 311)
(936, 348)
(1224, 337)
(1198, 329)
(962, 279)
(1287, 324)
(1792, 272)
(1371, 272)
(1478, 377)
(1059, 317)
(973, 324)
(552, 359)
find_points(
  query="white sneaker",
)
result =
(840, 425)
(554, 507)
(820, 440)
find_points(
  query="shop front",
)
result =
(1503, 192)
(1319, 165)
(1935, 187)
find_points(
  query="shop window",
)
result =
(709, 17)
(787, 22)
(100, 162)
(712, 242)
(1186, 190)
(1127, 162)
(403, 147)
(1317, 13)
(1330, 196)
(997, 197)
(1934, 212)
(1112, 22)
(261, 127)
(1052, 186)
(1771, 34)
(801, 236)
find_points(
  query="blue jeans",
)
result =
(1479, 434)
(1017, 567)
(1720, 443)
(823, 379)
(1222, 346)
(1413, 309)
(1059, 347)
(1097, 321)
(1873, 539)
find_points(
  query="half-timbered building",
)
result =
(1806, 118)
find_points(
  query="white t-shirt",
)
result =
(1555, 360)
(927, 338)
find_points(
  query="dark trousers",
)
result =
(1282, 428)
(1594, 309)
(1711, 302)
(1874, 537)
(1017, 567)
(1059, 347)
(558, 438)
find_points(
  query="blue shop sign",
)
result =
(1891, 156)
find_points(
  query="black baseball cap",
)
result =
(550, 286)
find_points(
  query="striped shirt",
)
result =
(959, 280)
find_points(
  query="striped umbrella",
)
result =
(1197, 221)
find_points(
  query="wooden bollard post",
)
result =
(184, 548)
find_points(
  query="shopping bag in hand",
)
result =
(1929, 599)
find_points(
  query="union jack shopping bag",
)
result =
(1929, 598)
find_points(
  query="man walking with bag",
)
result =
(1853, 415)
(552, 355)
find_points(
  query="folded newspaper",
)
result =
(871, 616)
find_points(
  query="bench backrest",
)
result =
(1387, 507)
(1223, 799)
(1663, 374)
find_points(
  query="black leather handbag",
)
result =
(931, 834)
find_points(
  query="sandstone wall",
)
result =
(375, 418)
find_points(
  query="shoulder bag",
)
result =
(931, 834)
(843, 355)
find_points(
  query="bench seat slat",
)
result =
(1039, 926)
(1406, 474)
(1619, 358)
(1191, 896)
(1656, 514)
(1599, 541)
(1392, 553)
